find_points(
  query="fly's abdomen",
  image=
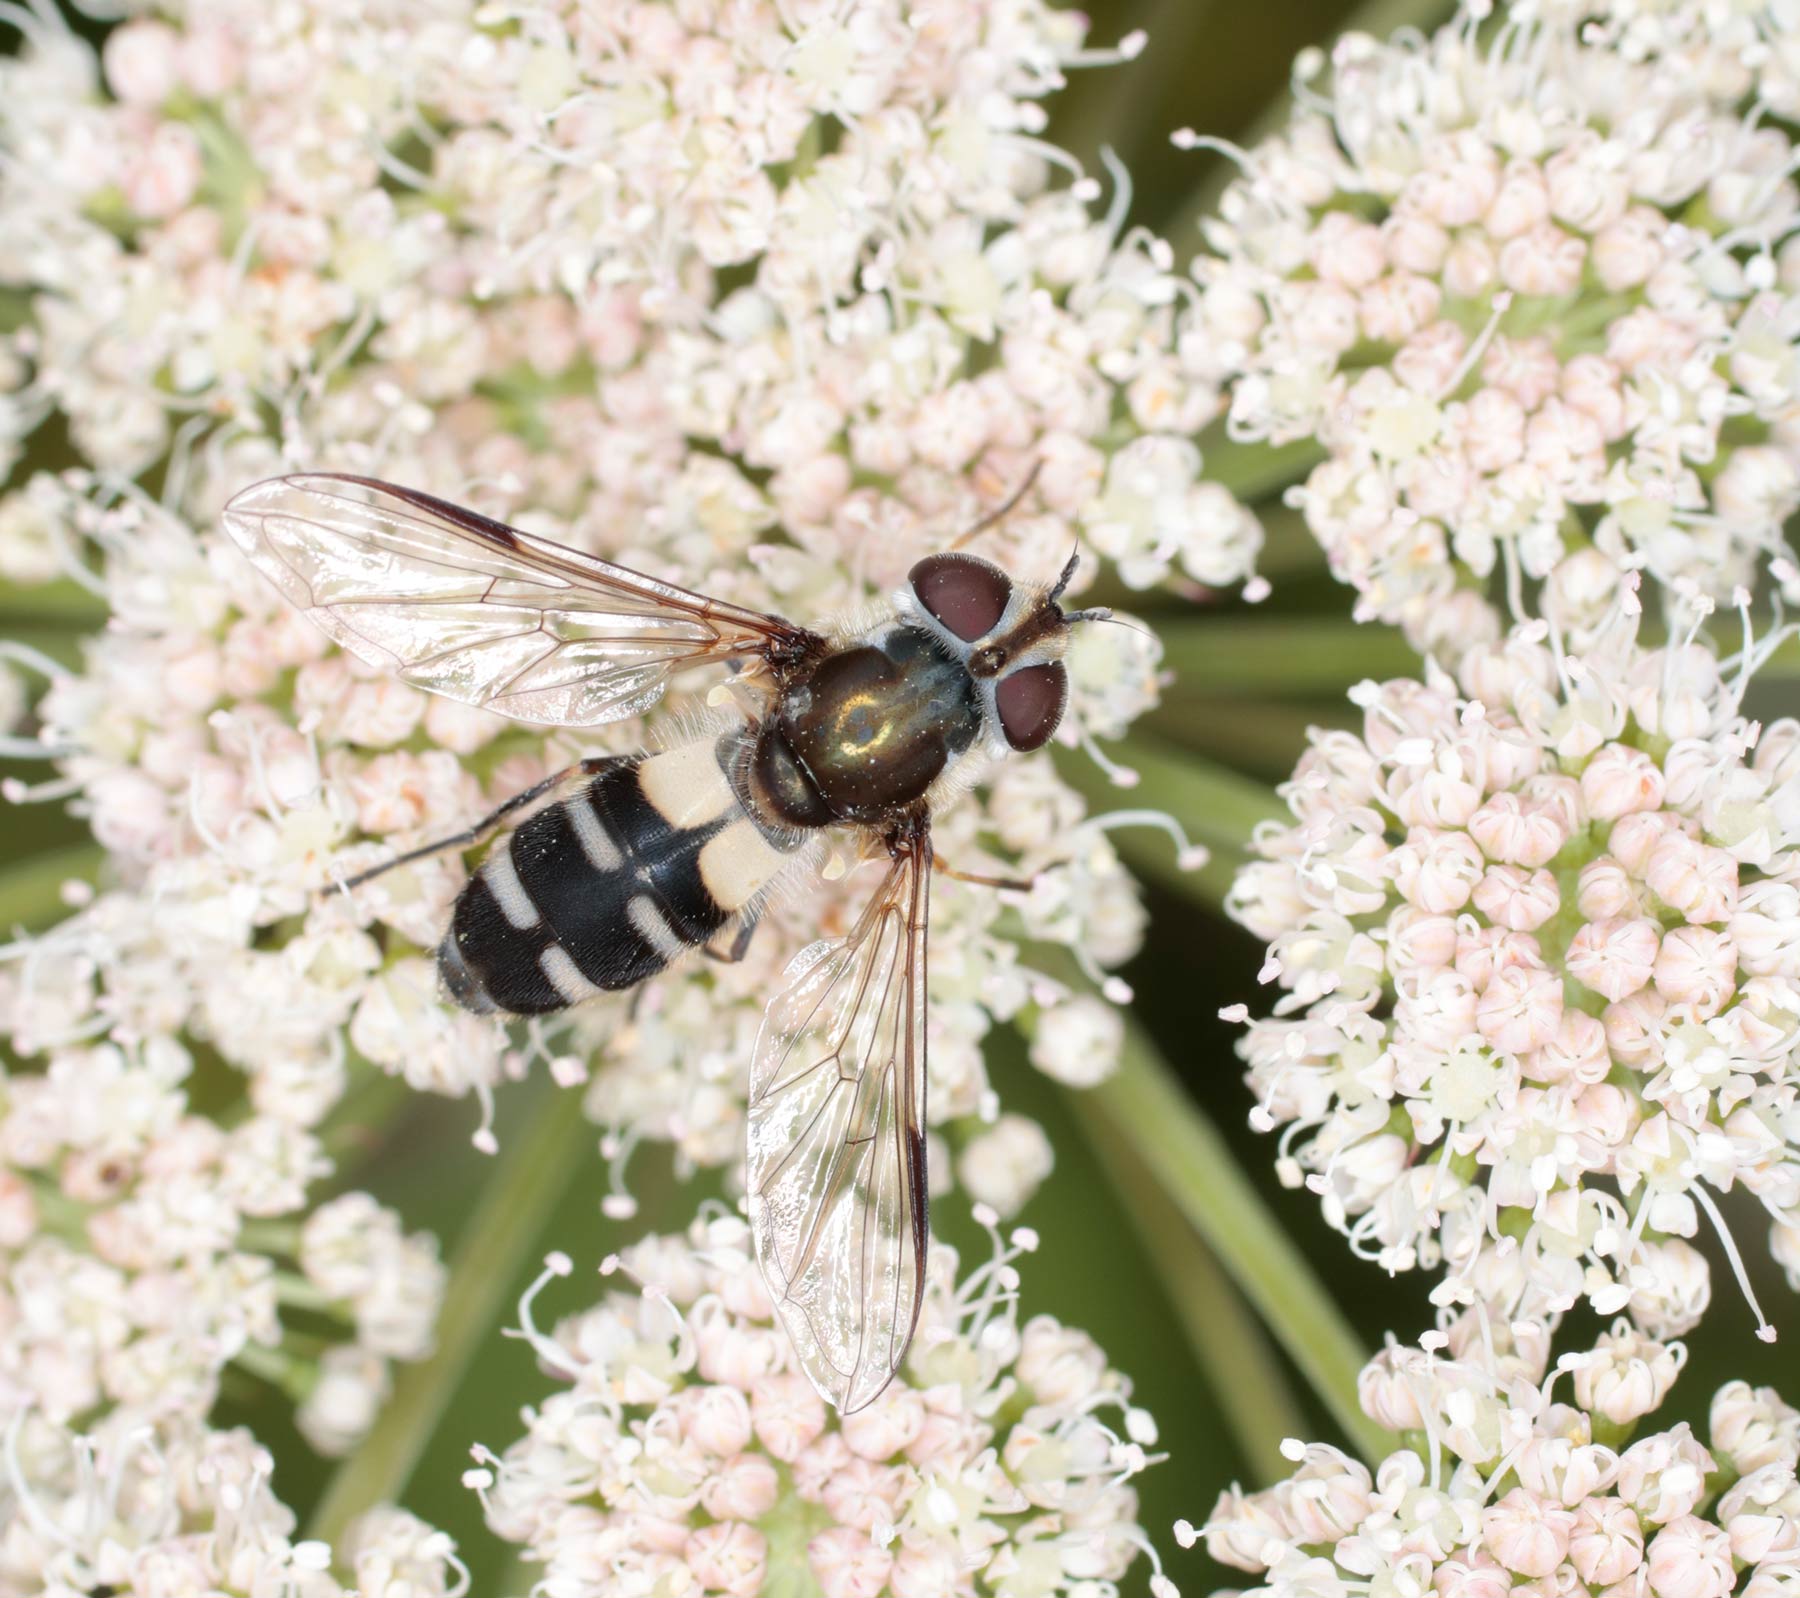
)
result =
(651, 857)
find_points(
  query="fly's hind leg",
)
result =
(731, 944)
(472, 835)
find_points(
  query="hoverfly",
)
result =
(636, 859)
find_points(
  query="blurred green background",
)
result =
(1114, 1258)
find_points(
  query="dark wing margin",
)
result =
(836, 1164)
(462, 605)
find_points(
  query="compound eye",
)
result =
(966, 593)
(1030, 701)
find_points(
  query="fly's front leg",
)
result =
(470, 836)
(981, 880)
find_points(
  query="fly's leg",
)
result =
(730, 953)
(472, 835)
(1012, 884)
(1001, 512)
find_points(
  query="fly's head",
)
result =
(1011, 636)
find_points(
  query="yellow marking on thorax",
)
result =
(738, 863)
(686, 785)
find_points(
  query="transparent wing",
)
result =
(465, 606)
(837, 1141)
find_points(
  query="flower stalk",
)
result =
(535, 1166)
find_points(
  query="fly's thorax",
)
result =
(866, 731)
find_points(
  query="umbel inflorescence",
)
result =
(681, 1442)
(1530, 295)
(1510, 1475)
(769, 300)
(1535, 935)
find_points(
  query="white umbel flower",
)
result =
(1531, 297)
(685, 1448)
(1496, 1485)
(1535, 939)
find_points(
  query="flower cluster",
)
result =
(1747, 52)
(1529, 298)
(1537, 943)
(685, 1452)
(657, 280)
(1496, 1484)
(151, 1505)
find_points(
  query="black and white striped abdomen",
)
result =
(651, 856)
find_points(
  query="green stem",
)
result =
(1215, 805)
(535, 1166)
(1182, 1151)
(31, 891)
(280, 1369)
(1282, 654)
(1247, 1377)
(1378, 18)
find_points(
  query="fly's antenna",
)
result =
(1001, 512)
(1068, 575)
(1103, 614)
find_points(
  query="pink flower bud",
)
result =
(1691, 1559)
(1520, 1009)
(744, 1488)
(1470, 270)
(1620, 780)
(1697, 967)
(1761, 1515)
(1514, 898)
(860, 1493)
(1417, 941)
(1614, 957)
(716, 1418)
(1493, 432)
(1577, 1053)
(1753, 1427)
(728, 1557)
(1605, 890)
(1509, 828)
(1527, 1534)
(1527, 368)
(1415, 244)
(1346, 250)
(1627, 251)
(1634, 837)
(1607, 1543)
(787, 1413)
(886, 1427)
(1634, 1031)
(1693, 877)
(847, 1563)
(164, 173)
(142, 62)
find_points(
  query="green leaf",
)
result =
(1273, 655)
(1183, 1152)
(1224, 1336)
(535, 1165)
